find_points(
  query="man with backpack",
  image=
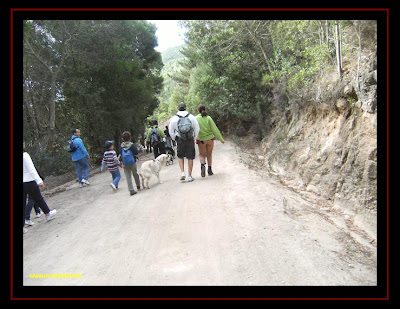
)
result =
(155, 137)
(79, 156)
(184, 128)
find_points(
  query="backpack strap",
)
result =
(183, 116)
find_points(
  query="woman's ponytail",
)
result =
(202, 110)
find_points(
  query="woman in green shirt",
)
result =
(205, 139)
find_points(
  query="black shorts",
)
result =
(186, 149)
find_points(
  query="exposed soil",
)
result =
(240, 226)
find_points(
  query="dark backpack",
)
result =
(71, 146)
(185, 128)
(155, 138)
(127, 157)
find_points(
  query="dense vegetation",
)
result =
(105, 77)
(243, 69)
(102, 77)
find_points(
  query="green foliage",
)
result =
(235, 66)
(108, 83)
(113, 80)
(172, 53)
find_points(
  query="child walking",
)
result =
(112, 163)
(129, 152)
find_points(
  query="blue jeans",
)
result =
(116, 176)
(82, 165)
(31, 204)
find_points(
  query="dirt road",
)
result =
(237, 227)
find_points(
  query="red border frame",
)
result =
(189, 9)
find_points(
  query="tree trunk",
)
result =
(327, 23)
(358, 33)
(52, 111)
(338, 51)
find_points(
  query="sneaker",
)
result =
(25, 230)
(210, 171)
(132, 192)
(113, 187)
(81, 185)
(203, 170)
(29, 222)
(39, 214)
(190, 179)
(85, 182)
(51, 214)
(138, 188)
(183, 177)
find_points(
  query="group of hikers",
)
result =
(184, 129)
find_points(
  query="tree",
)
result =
(338, 50)
(100, 76)
(49, 43)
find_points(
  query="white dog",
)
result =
(151, 167)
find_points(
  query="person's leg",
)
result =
(78, 168)
(128, 177)
(85, 165)
(181, 156)
(29, 207)
(37, 210)
(136, 176)
(190, 155)
(116, 176)
(24, 196)
(202, 157)
(190, 167)
(182, 164)
(209, 150)
(161, 149)
(202, 152)
(34, 193)
(156, 151)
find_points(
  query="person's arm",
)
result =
(79, 144)
(172, 128)
(116, 161)
(215, 130)
(103, 164)
(31, 169)
(195, 126)
(134, 149)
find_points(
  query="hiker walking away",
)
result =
(31, 184)
(147, 144)
(168, 142)
(184, 128)
(128, 153)
(155, 136)
(111, 162)
(205, 139)
(80, 156)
